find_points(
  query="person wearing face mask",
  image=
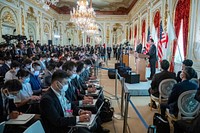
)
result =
(186, 62)
(26, 94)
(27, 64)
(86, 73)
(35, 80)
(73, 93)
(57, 112)
(185, 85)
(11, 74)
(7, 100)
(48, 74)
(5, 67)
(42, 62)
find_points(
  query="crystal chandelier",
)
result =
(92, 29)
(47, 3)
(98, 39)
(83, 15)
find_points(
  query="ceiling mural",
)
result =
(102, 7)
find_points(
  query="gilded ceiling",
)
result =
(107, 7)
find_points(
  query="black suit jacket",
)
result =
(4, 69)
(3, 112)
(139, 48)
(177, 90)
(152, 53)
(77, 84)
(52, 114)
(157, 78)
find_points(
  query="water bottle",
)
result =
(151, 129)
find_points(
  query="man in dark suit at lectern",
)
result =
(152, 58)
(139, 47)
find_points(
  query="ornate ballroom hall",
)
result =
(174, 25)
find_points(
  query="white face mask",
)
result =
(78, 76)
(64, 88)
(88, 68)
(69, 80)
(83, 70)
(11, 96)
(36, 73)
(48, 59)
(27, 80)
(73, 76)
(8, 62)
(16, 70)
(28, 66)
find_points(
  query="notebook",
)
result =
(21, 119)
(92, 119)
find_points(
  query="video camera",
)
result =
(8, 38)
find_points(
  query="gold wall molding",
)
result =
(8, 18)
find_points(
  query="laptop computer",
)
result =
(21, 119)
(92, 119)
(94, 102)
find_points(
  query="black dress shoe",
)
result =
(149, 78)
(103, 130)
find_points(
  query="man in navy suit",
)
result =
(157, 78)
(57, 112)
(109, 50)
(5, 67)
(152, 58)
(7, 98)
(186, 85)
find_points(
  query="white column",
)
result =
(104, 32)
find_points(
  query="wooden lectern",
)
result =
(141, 65)
(125, 59)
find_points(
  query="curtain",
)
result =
(157, 22)
(143, 31)
(181, 13)
(130, 35)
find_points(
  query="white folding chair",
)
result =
(35, 128)
(165, 88)
(2, 126)
(187, 105)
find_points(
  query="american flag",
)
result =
(161, 42)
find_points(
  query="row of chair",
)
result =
(188, 106)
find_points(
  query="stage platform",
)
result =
(140, 89)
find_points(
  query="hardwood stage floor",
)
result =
(141, 102)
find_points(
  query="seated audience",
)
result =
(46, 82)
(35, 80)
(186, 62)
(8, 94)
(25, 94)
(5, 67)
(73, 93)
(185, 85)
(14, 68)
(157, 78)
(27, 63)
(57, 113)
